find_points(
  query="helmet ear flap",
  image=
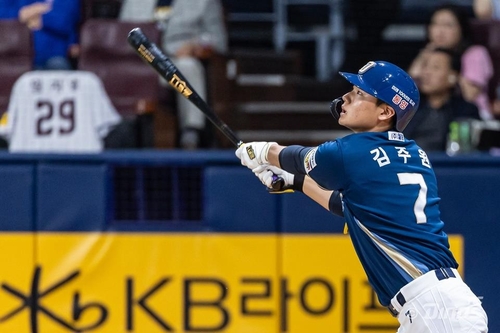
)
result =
(336, 107)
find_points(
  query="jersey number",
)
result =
(65, 111)
(416, 179)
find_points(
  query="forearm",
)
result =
(273, 155)
(268, 159)
(316, 193)
(329, 200)
(289, 158)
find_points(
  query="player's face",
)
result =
(444, 30)
(360, 112)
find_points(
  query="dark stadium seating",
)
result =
(128, 80)
(131, 84)
(16, 56)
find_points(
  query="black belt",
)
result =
(441, 274)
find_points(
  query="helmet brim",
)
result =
(357, 80)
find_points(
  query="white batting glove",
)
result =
(266, 172)
(253, 154)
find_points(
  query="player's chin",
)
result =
(345, 123)
(342, 120)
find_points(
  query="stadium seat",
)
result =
(132, 85)
(16, 56)
(100, 9)
(129, 81)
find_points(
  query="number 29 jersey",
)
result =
(390, 204)
(58, 111)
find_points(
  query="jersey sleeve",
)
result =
(105, 116)
(324, 164)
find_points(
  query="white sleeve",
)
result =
(105, 115)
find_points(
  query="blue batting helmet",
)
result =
(390, 84)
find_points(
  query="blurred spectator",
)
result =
(440, 103)
(449, 28)
(193, 30)
(55, 25)
(487, 9)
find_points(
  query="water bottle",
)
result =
(453, 144)
(464, 136)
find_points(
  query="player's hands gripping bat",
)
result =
(164, 66)
(267, 172)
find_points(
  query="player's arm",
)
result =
(289, 158)
(274, 153)
(330, 200)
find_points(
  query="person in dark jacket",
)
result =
(441, 102)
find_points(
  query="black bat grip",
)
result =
(278, 183)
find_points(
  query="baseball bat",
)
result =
(155, 57)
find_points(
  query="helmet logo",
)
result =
(366, 67)
(398, 100)
(401, 99)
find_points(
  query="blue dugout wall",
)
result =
(210, 192)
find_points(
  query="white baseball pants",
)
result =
(435, 304)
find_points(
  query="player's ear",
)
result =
(387, 111)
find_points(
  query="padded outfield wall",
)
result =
(191, 242)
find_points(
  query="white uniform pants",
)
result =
(440, 306)
(188, 114)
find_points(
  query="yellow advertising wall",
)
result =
(148, 283)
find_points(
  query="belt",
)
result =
(440, 273)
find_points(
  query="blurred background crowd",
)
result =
(269, 68)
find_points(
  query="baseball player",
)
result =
(385, 188)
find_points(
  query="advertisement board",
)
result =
(187, 282)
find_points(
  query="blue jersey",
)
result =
(390, 204)
(60, 29)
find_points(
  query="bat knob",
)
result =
(136, 37)
(277, 183)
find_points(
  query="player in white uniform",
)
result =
(387, 193)
(58, 111)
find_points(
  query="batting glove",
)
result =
(267, 173)
(254, 154)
